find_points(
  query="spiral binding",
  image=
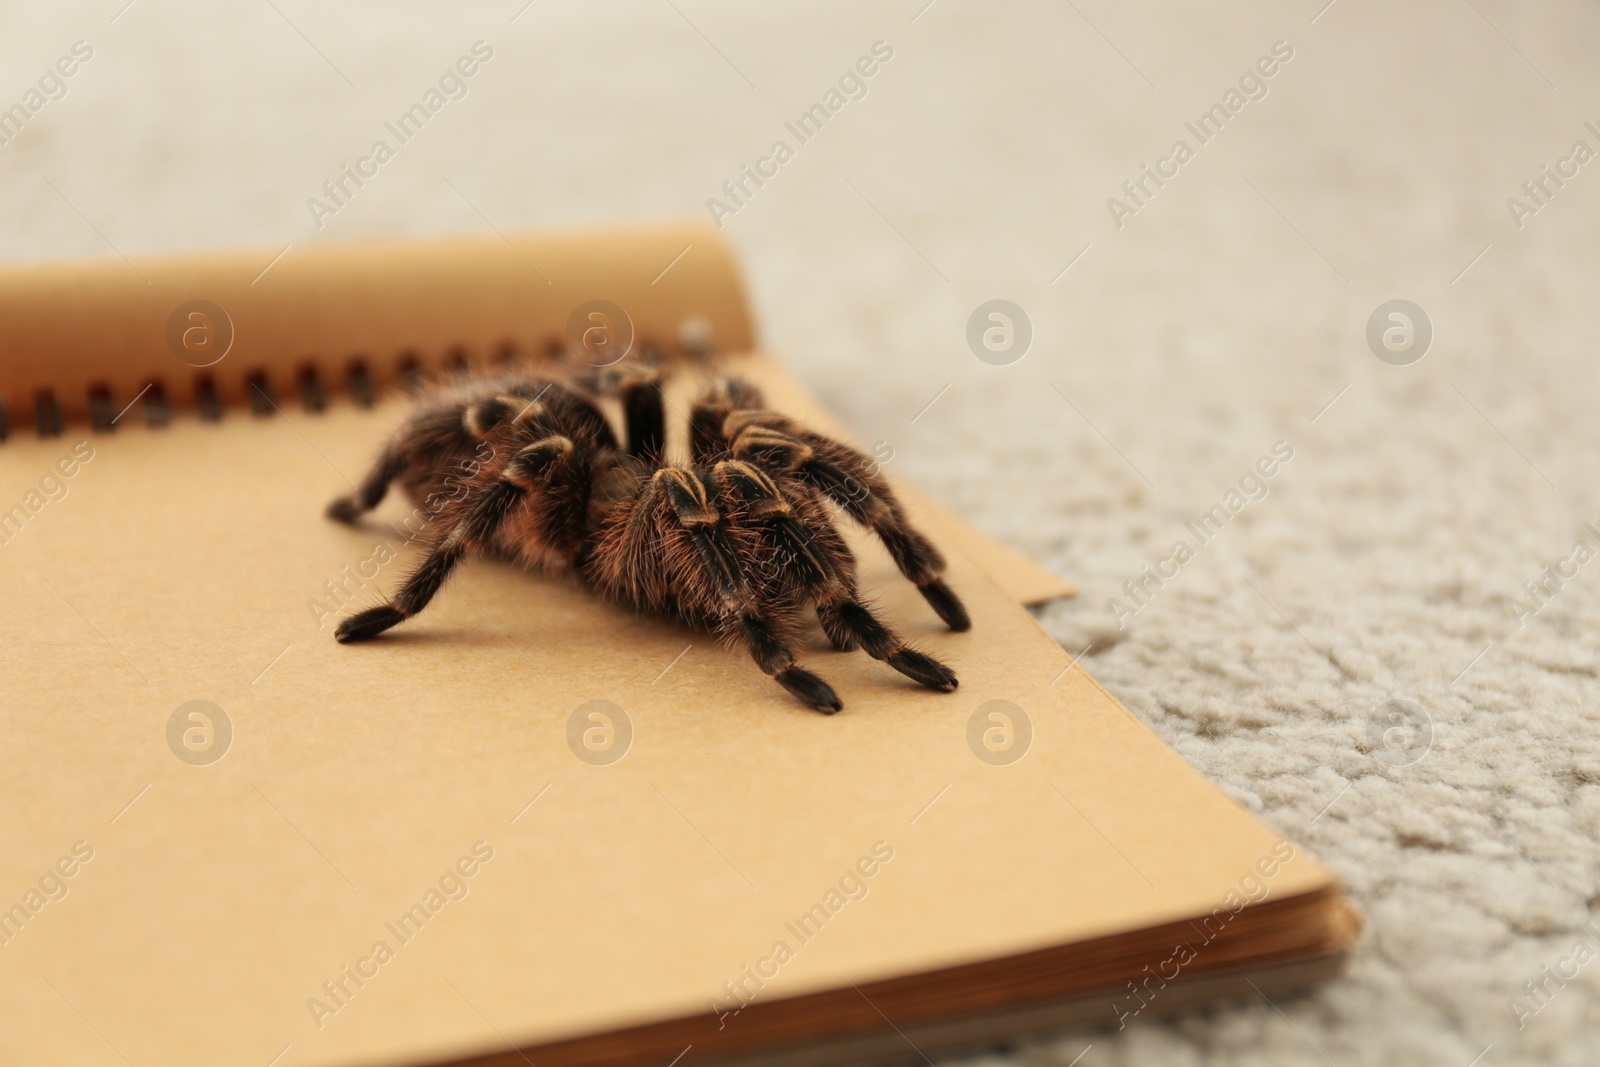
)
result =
(306, 384)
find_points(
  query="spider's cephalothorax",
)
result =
(739, 540)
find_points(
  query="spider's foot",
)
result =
(923, 669)
(946, 605)
(811, 690)
(345, 510)
(370, 623)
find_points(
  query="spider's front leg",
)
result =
(687, 497)
(849, 479)
(480, 517)
(826, 570)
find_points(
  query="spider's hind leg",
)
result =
(644, 415)
(425, 437)
(474, 528)
(349, 509)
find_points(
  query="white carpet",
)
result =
(1222, 317)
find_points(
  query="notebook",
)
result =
(527, 827)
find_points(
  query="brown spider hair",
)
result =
(739, 541)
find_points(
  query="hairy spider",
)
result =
(739, 541)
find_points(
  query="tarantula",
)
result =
(739, 541)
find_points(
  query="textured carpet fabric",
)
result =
(1342, 651)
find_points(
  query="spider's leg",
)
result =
(849, 479)
(848, 619)
(707, 441)
(645, 418)
(690, 503)
(572, 408)
(447, 429)
(480, 517)
(370, 493)
(827, 574)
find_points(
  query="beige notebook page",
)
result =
(181, 566)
